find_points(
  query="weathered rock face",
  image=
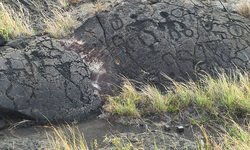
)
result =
(142, 39)
(39, 79)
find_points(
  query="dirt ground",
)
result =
(139, 132)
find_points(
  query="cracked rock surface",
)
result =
(39, 79)
(143, 39)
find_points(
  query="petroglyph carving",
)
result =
(172, 38)
(175, 28)
(236, 30)
(116, 22)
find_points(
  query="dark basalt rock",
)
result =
(2, 41)
(2, 125)
(39, 79)
(167, 127)
(142, 40)
(180, 128)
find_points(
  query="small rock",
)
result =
(202, 142)
(167, 127)
(180, 129)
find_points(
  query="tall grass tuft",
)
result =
(67, 138)
(233, 137)
(231, 92)
(14, 23)
(244, 9)
(125, 103)
(61, 24)
(159, 103)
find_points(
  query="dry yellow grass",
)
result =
(14, 23)
(244, 9)
(63, 3)
(67, 138)
(61, 24)
(231, 137)
(75, 1)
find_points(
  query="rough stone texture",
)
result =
(2, 124)
(39, 78)
(142, 39)
(2, 41)
(10, 143)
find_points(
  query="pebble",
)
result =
(180, 128)
(167, 127)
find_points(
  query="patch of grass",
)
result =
(159, 103)
(123, 143)
(228, 94)
(63, 3)
(74, 1)
(66, 138)
(14, 23)
(70, 138)
(233, 137)
(244, 9)
(61, 24)
(125, 103)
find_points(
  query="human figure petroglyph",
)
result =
(172, 26)
(178, 36)
(207, 23)
(139, 29)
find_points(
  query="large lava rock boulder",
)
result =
(142, 39)
(40, 80)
